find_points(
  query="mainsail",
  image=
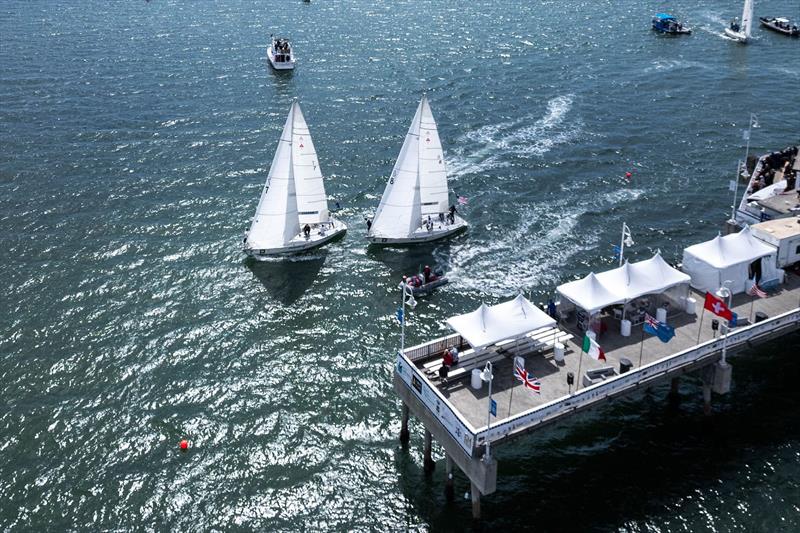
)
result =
(276, 220)
(399, 212)
(747, 17)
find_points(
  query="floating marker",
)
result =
(184, 445)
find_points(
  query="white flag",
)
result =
(732, 185)
(746, 135)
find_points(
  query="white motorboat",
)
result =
(741, 32)
(414, 205)
(280, 54)
(292, 215)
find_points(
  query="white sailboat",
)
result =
(741, 32)
(414, 205)
(292, 215)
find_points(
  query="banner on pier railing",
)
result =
(436, 404)
(630, 379)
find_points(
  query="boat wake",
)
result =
(531, 256)
(497, 141)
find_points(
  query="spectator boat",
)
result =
(666, 23)
(780, 25)
(280, 54)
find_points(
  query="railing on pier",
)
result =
(434, 347)
(613, 386)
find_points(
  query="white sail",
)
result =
(432, 171)
(276, 221)
(747, 17)
(312, 203)
(399, 212)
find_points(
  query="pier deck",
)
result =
(512, 398)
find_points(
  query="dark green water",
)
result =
(134, 141)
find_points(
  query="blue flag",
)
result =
(399, 315)
(661, 330)
(617, 251)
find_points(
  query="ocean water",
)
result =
(135, 138)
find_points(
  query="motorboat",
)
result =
(666, 23)
(292, 214)
(419, 286)
(280, 53)
(780, 25)
(414, 206)
(741, 31)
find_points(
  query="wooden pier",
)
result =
(455, 415)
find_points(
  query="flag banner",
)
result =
(593, 349)
(617, 251)
(661, 330)
(717, 306)
(746, 135)
(462, 200)
(399, 315)
(755, 290)
(734, 320)
(493, 408)
(732, 185)
(528, 380)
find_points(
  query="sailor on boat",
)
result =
(735, 25)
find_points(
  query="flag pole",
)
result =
(700, 329)
(510, 396)
(641, 347)
(580, 360)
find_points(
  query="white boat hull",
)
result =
(279, 65)
(422, 234)
(300, 243)
(735, 35)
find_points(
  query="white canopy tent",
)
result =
(729, 258)
(623, 284)
(508, 320)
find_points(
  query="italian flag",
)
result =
(593, 349)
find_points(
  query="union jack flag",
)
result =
(755, 290)
(650, 321)
(528, 380)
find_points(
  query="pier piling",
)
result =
(429, 465)
(475, 494)
(449, 491)
(404, 426)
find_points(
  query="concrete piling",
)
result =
(404, 435)
(449, 491)
(429, 465)
(476, 501)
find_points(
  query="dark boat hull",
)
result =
(769, 24)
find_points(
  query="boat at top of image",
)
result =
(292, 214)
(780, 25)
(666, 23)
(280, 53)
(414, 206)
(741, 31)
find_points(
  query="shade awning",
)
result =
(733, 249)
(508, 320)
(623, 284)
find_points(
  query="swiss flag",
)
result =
(718, 307)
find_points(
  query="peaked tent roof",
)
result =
(733, 249)
(620, 285)
(589, 293)
(508, 320)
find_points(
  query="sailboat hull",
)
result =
(300, 244)
(736, 36)
(422, 234)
